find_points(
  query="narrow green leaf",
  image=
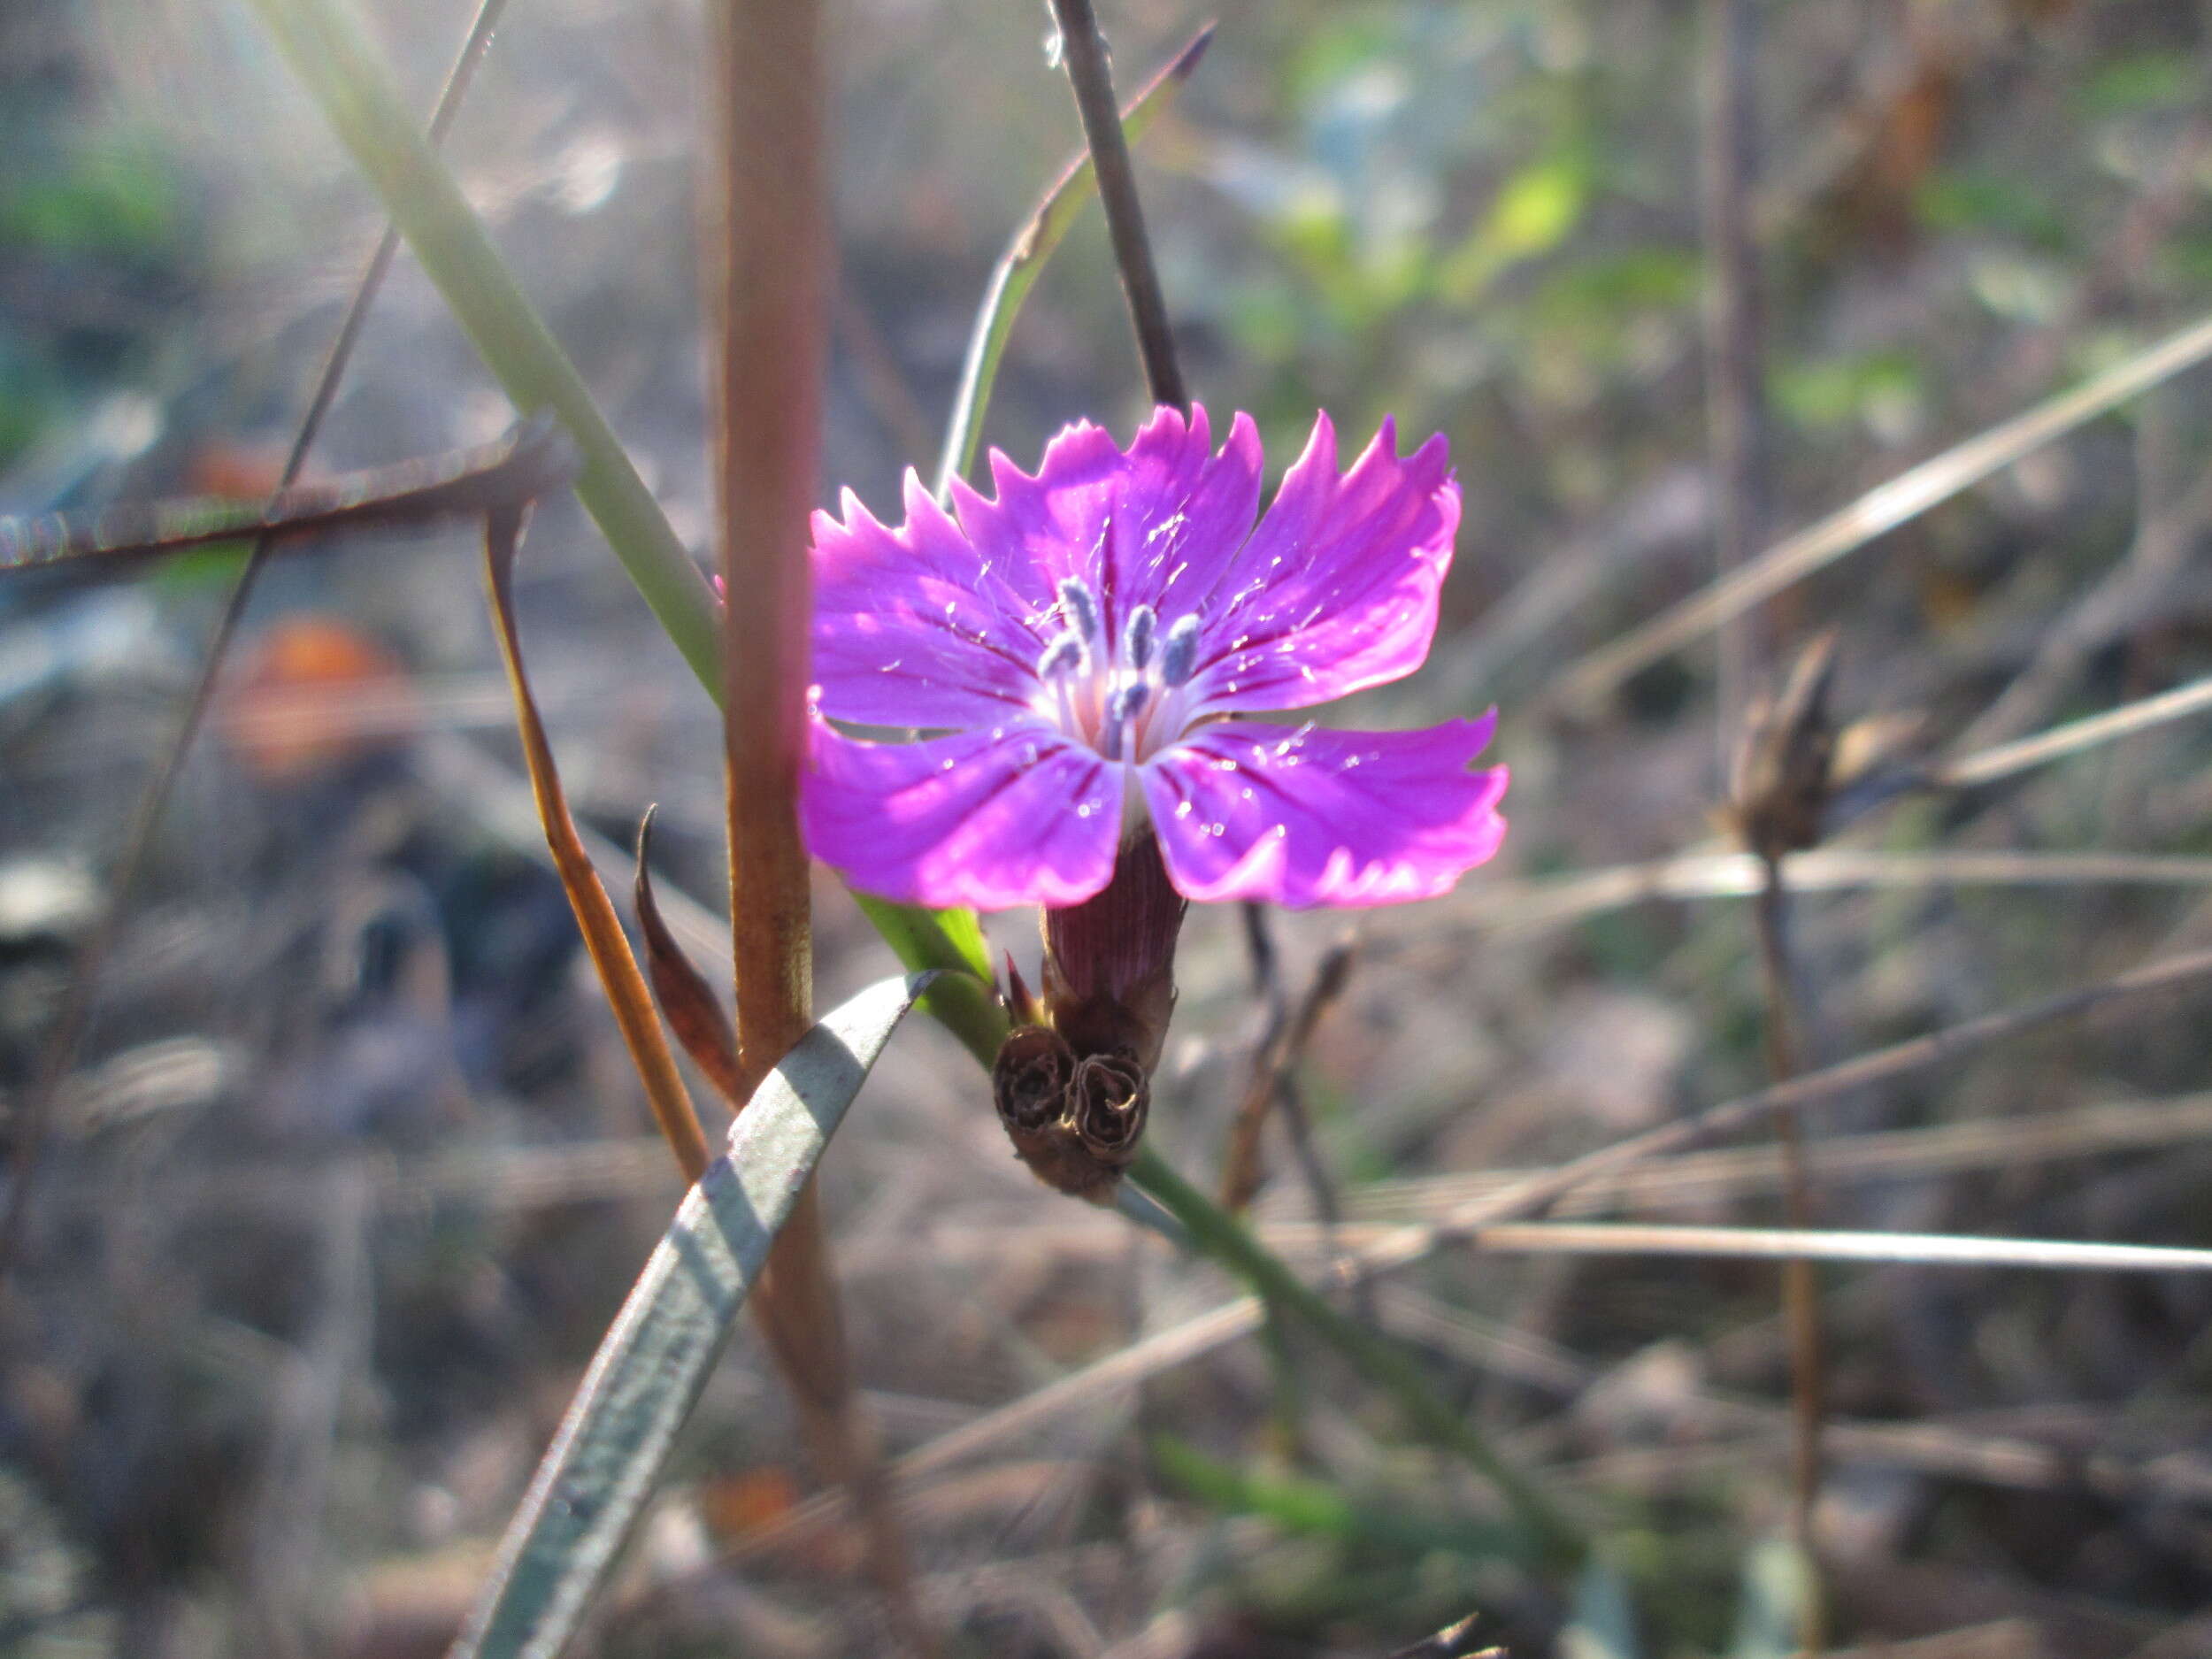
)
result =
(642, 1384)
(1295, 1504)
(1779, 1590)
(1024, 262)
(352, 85)
(1222, 1237)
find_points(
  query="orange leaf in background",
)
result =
(312, 693)
(236, 471)
(739, 1508)
(734, 1505)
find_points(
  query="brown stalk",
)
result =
(1090, 75)
(1090, 72)
(595, 915)
(1272, 1084)
(74, 1016)
(1735, 401)
(689, 1004)
(1780, 801)
(766, 248)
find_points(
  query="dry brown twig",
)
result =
(2172, 519)
(1272, 1085)
(1779, 801)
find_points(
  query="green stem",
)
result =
(1221, 1236)
(350, 83)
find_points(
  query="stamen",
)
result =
(1066, 651)
(1178, 652)
(1123, 704)
(1081, 605)
(1136, 638)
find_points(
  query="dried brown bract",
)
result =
(1107, 1106)
(1778, 793)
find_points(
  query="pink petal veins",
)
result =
(910, 629)
(1337, 589)
(1304, 816)
(991, 819)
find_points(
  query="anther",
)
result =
(1066, 651)
(1178, 652)
(1081, 607)
(1136, 637)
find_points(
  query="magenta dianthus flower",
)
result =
(1086, 643)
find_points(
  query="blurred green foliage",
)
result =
(116, 197)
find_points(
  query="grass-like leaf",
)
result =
(1024, 262)
(603, 1465)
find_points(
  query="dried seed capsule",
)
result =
(1107, 1105)
(1030, 1078)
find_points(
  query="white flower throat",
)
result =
(1122, 696)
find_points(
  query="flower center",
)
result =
(1119, 694)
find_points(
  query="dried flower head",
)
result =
(1088, 645)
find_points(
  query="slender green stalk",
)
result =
(1024, 262)
(352, 85)
(1221, 1236)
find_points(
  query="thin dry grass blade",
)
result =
(618, 969)
(1524, 910)
(534, 459)
(1784, 1244)
(1873, 514)
(693, 1011)
(2004, 759)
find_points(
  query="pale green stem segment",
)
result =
(1220, 1235)
(963, 1000)
(352, 85)
(608, 1456)
(1024, 262)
